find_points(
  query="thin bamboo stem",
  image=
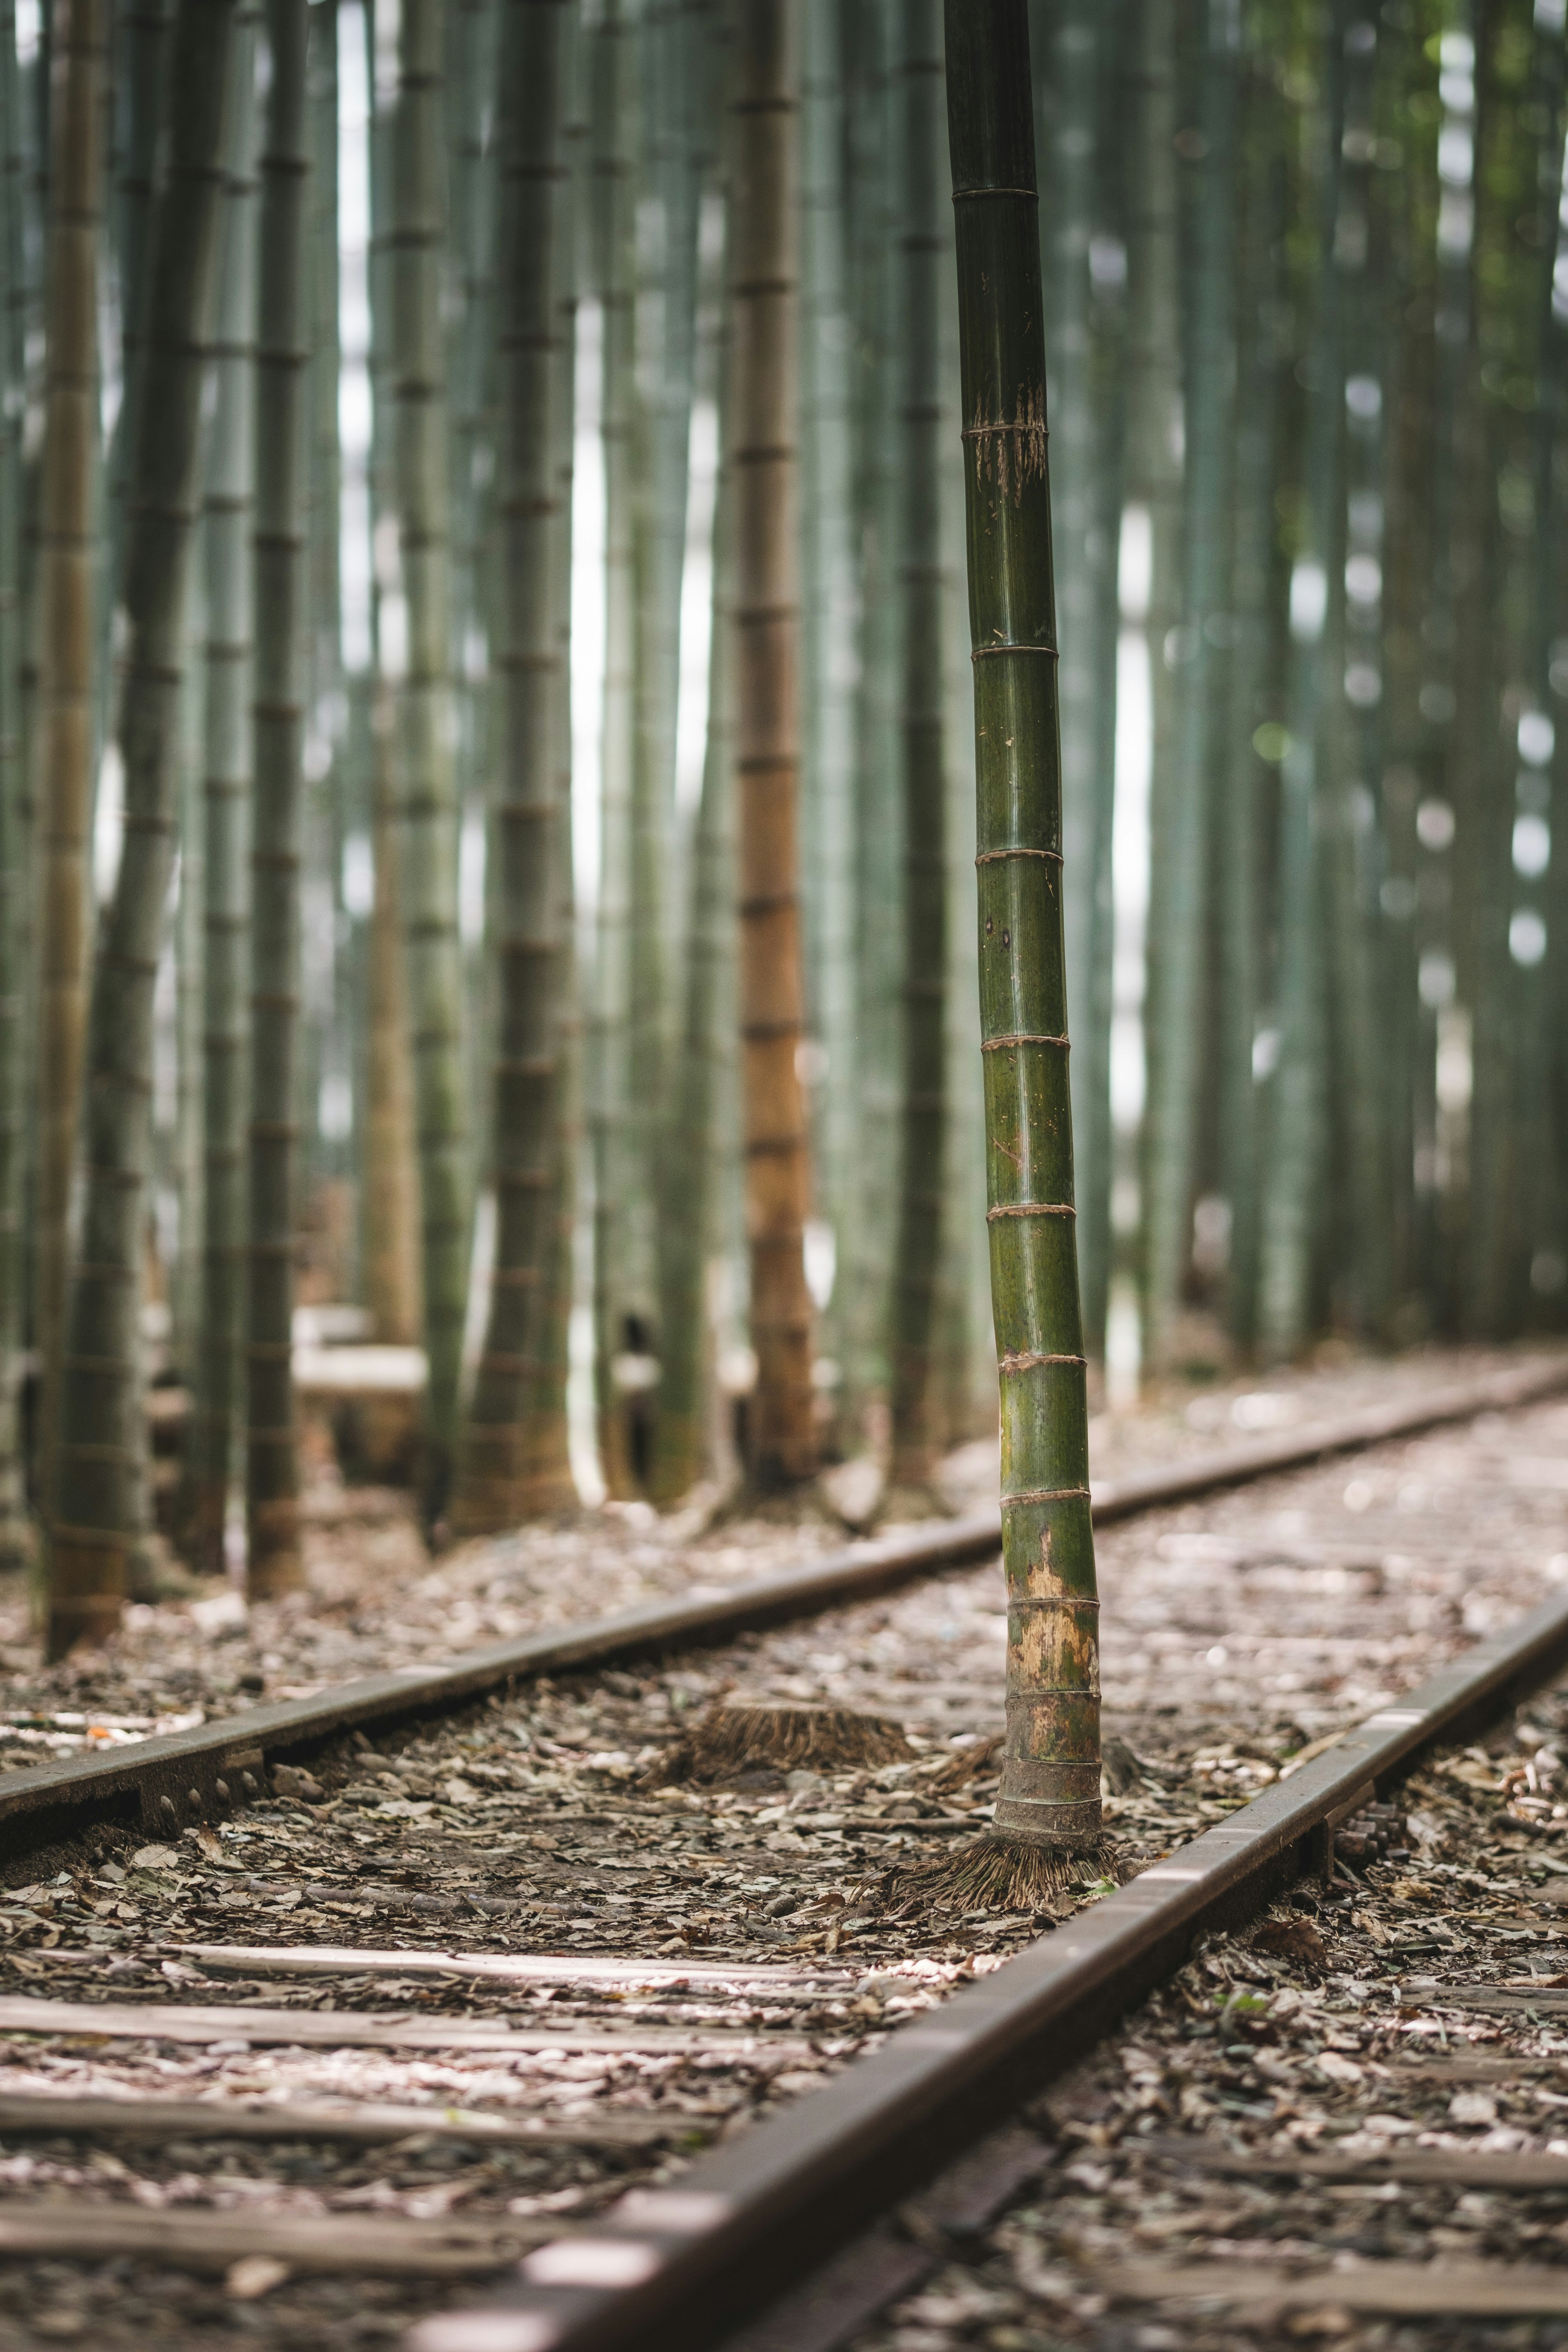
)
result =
(764, 284)
(916, 1436)
(427, 877)
(1050, 1785)
(283, 356)
(101, 1422)
(68, 560)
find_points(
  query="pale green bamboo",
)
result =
(493, 1488)
(919, 1252)
(1360, 1246)
(1179, 914)
(282, 424)
(218, 1382)
(1155, 433)
(1293, 1148)
(139, 74)
(693, 1151)
(1242, 781)
(329, 1005)
(389, 1174)
(102, 1416)
(68, 560)
(550, 1485)
(671, 136)
(1109, 327)
(1066, 44)
(427, 877)
(621, 1222)
(830, 620)
(866, 1249)
(15, 895)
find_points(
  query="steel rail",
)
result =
(189, 1776)
(677, 2269)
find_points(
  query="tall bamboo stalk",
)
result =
(1155, 421)
(764, 354)
(101, 1403)
(526, 1079)
(1050, 1785)
(672, 142)
(428, 878)
(865, 1271)
(218, 1385)
(68, 562)
(282, 352)
(551, 1484)
(1293, 1144)
(331, 1009)
(916, 1438)
(1241, 792)
(394, 1284)
(15, 895)
(829, 618)
(620, 1266)
(1067, 42)
(693, 1161)
(1179, 820)
(138, 86)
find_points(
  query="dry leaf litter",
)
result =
(1239, 1634)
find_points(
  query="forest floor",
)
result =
(375, 1599)
(437, 1872)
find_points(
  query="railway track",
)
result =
(446, 1991)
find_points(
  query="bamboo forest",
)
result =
(492, 542)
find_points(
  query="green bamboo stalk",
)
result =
(1293, 1144)
(968, 1342)
(549, 1482)
(1155, 423)
(15, 895)
(138, 76)
(671, 138)
(1067, 41)
(283, 353)
(493, 1490)
(68, 560)
(692, 1159)
(1518, 145)
(1094, 1141)
(1240, 796)
(390, 1181)
(916, 1433)
(866, 1247)
(622, 1233)
(1409, 202)
(1050, 1785)
(329, 999)
(764, 289)
(1180, 802)
(830, 620)
(183, 1168)
(217, 1384)
(101, 1405)
(1545, 1165)
(427, 876)
(1355, 746)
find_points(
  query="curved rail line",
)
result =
(686, 2266)
(190, 1776)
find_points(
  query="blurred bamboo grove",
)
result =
(487, 774)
